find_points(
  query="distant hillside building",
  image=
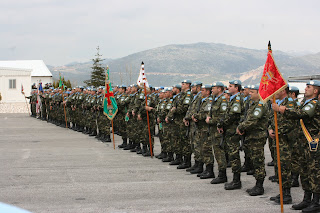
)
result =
(14, 74)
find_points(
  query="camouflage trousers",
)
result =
(134, 129)
(302, 155)
(122, 125)
(184, 145)
(219, 152)
(174, 137)
(271, 144)
(295, 164)
(232, 145)
(313, 169)
(256, 154)
(160, 134)
(166, 133)
(285, 160)
(145, 138)
(103, 124)
(195, 146)
(202, 137)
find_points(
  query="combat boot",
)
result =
(235, 184)
(93, 133)
(295, 180)
(287, 199)
(177, 161)
(99, 135)
(257, 189)
(87, 131)
(202, 173)
(208, 173)
(147, 153)
(186, 162)
(164, 155)
(107, 139)
(305, 202)
(138, 148)
(250, 172)
(199, 169)
(124, 143)
(160, 154)
(244, 168)
(169, 157)
(196, 163)
(129, 146)
(222, 177)
(314, 205)
(144, 149)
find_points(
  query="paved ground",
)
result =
(45, 168)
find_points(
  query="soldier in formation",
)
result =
(207, 122)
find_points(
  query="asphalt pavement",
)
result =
(46, 168)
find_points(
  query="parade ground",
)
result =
(45, 168)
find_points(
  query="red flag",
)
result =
(272, 81)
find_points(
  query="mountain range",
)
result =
(205, 62)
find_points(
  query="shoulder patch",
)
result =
(290, 99)
(189, 93)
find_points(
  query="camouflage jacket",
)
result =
(256, 122)
(309, 112)
(284, 125)
(181, 103)
(232, 115)
(202, 113)
(193, 106)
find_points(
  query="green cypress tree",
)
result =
(97, 73)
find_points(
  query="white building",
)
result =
(14, 75)
(40, 71)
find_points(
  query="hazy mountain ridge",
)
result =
(207, 62)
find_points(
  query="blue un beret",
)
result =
(218, 84)
(186, 81)
(314, 83)
(206, 86)
(238, 82)
(177, 86)
(255, 87)
(293, 89)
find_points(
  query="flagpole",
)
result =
(277, 146)
(114, 145)
(278, 155)
(145, 93)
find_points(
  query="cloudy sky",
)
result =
(64, 31)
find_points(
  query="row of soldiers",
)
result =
(211, 122)
(78, 109)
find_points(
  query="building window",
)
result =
(12, 83)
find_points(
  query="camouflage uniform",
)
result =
(284, 127)
(217, 111)
(202, 133)
(229, 124)
(309, 169)
(195, 147)
(181, 103)
(254, 126)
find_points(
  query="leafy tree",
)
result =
(97, 73)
